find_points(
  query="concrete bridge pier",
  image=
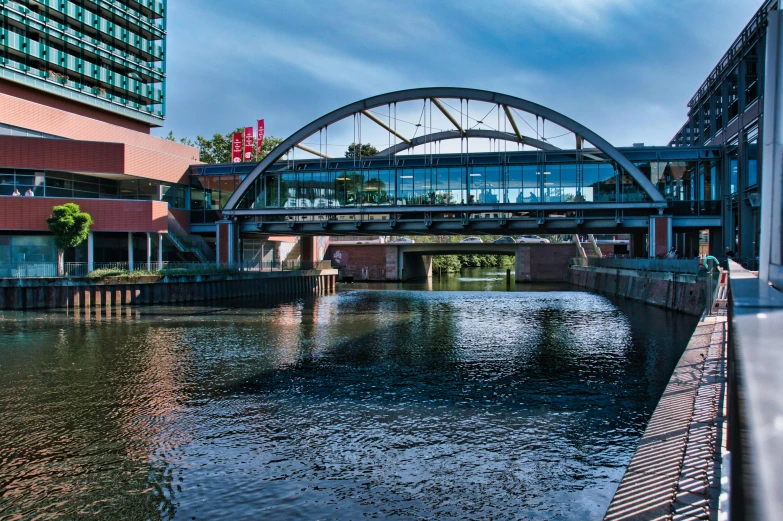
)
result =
(414, 265)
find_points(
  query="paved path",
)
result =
(674, 474)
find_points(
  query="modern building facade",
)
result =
(107, 55)
(81, 84)
(727, 111)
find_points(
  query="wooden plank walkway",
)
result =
(674, 473)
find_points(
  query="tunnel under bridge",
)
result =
(402, 262)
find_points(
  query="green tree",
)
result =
(70, 227)
(217, 149)
(365, 149)
(184, 140)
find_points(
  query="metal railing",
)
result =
(189, 242)
(27, 270)
(754, 407)
(690, 266)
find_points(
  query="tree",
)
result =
(218, 148)
(184, 140)
(365, 149)
(70, 227)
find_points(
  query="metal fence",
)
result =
(24, 270)
(664, 265)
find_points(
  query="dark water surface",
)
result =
(376, 402)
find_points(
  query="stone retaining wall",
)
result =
(43, 293)
(679, 292)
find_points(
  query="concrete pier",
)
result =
(48, 293)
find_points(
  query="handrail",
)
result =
(187, 242)
(594, 244)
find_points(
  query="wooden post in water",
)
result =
(508, 277)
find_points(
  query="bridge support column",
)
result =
(309, 252)
(660, 235)
(225, 242)
(415, 266)
(522, 264)
(716, 243)
(690, 244)
(638, 247)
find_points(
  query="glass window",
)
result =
(607, 183)
(531, 180)
(553, 192)
(271, 190)
(568, 184)
(86, 187)
(733, 173)
(476, 185)
(515, 192)
(753, 164)
(387, 181)
(129, 189)
(149, 190)
(494, 185)
(457, 185)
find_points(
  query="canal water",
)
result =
(435, 401)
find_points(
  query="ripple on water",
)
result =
(392, 404)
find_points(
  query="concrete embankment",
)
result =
(43, 293)
(683, 292)
(675, 472)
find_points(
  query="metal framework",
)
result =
(470, 133)
(508, 102)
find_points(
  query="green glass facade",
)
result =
(107, 53)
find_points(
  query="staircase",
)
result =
(581, 255)
(593, 251)
(295, 253)
(189, 243)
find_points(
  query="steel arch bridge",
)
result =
(593, 185)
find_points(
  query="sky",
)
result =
(626, 69)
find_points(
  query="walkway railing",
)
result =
(665, 265)
(25, 270)
(755, 409)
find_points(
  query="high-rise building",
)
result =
(82, 82)
(105, 54)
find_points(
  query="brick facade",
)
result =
(145, 155)
(61, 154)
(108, 215)
(75, 107)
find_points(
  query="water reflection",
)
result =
(381, 402)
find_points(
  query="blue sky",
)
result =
(624, 68)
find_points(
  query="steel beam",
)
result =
(448, 115)
(513, 123)
(311, 151)
(385, 126)
(469, 133)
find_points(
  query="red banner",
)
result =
(260, 134)
(236, 148)
(249, 143)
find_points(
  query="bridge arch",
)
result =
(433, 93)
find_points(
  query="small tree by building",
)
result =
(70, 227)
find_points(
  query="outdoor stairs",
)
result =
(191, 245)
(295, 253)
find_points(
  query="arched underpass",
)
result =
(400, 262)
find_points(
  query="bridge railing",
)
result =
(32, 270)
(754, 405)
(690, 266)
